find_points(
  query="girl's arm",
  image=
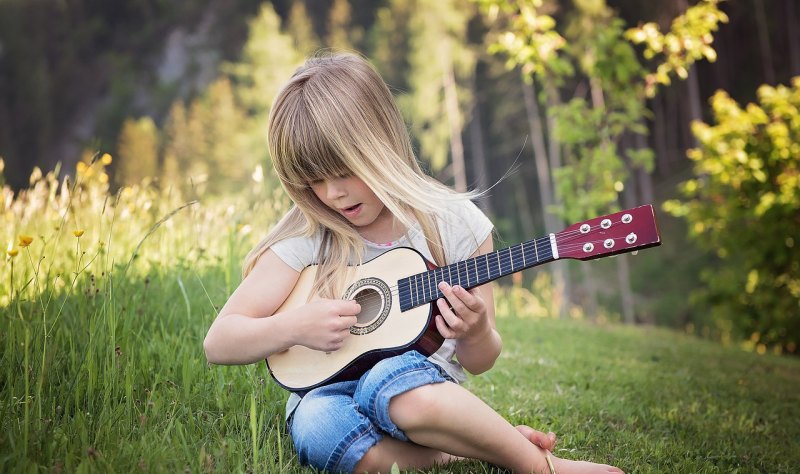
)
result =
(471, 321)
(247, 329)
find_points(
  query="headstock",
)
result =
(621, 232)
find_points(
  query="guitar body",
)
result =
(382, 329)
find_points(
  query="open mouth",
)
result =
(352, 210)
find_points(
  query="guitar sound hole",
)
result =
(375, 298)
(371, 305)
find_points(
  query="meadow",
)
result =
(105, 299)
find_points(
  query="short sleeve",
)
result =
(298, 252)
(464, 228)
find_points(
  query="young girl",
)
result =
(342, 152)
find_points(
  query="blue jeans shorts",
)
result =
(334, 425)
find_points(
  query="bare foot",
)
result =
(564, 466)
(567, 466)
(544, 441)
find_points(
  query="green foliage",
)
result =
(592, 48)
(437, 40)
(689, 40)
(744, 205)
(528, 37)
(592, 171)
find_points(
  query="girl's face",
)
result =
(352, 198)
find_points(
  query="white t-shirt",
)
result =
(463, 228)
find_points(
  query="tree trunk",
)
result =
(560, 269)
(660, 136)
(454, 120)
(794, 38)
(673, 125)
(624, 275)
(763, 42)
(539, 153)
(478, 149)
(694, 103)
(644, 179)
(523, 206)
(695, 106)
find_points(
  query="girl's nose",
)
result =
(335, 188)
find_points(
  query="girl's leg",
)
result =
(389, 451)
(447, 417)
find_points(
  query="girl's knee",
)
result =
(415, 407)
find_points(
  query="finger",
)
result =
(451, 318)
(347, 322)
(350, 307)
(443, 328)
(471, 298)
(455, 301)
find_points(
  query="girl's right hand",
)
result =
(324, 324)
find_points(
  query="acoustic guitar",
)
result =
(397, 292)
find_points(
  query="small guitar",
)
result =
(397, 292)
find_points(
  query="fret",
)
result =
(524, 264)
(449, 274)
(488, 274)
(429, 291)
(477, 278)
(511, 257)
(499, 268)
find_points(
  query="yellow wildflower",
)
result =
(77, 233)
(106, 159)
(12, 253)
(25, 240)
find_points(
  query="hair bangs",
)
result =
(306, 154)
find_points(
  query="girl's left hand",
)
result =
(463, 313)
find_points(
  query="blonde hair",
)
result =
(334, 117)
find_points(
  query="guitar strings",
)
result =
(567, 244)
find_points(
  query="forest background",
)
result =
(564, 109)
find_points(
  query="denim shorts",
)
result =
(334, 425)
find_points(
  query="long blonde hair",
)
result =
(334, 117)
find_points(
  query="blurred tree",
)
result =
(137, 152)
(300, 29)
(389, 39)
(744, 205)
(179, 148)
(439, 77)
(269, 58)
(343, 34)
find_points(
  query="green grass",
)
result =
(648, 399)
(102, 367)
(141, 397)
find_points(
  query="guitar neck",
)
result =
(422, 288)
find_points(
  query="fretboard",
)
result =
(422, 288)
